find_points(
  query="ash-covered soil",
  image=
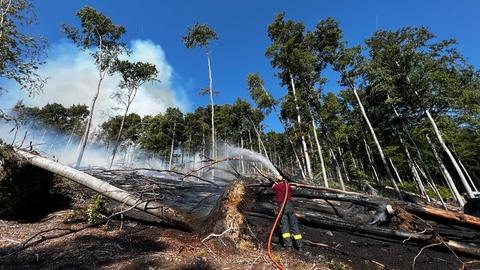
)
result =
(130, 245)
(124, 244)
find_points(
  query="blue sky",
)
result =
(241, 26)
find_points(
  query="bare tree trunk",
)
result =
(426, 174)
(395, 170)
(84, 139)
(213, 153)
(377, 143)
(420, 172)
(372, 164)
(452, 159)
(171, 147)
(299, 120)
(68, 142)
(117, 141)
(428, 177)
(340, 156)
(319, 148)
(212, 106)
(302, 171)
(3, 13)
(337, 168)
(415, 174)
(468, 175)
(288, 137)
(260, 143)
(351, 155)
(242, 161)
(449, 179)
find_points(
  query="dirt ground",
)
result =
(132, 245)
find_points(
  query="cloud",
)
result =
(73, 79)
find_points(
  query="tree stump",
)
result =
(226, 220)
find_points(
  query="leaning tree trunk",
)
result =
(157, 209)
(84, 139)
(172, 145)
(415, 174)
(340, 155)
(372, 164)
(379, 147)
(337, 169)
(452, 159)
(445, 172)
(396, 172)
(117, 142)
(302, 171)
(261, 146)
(468, 175)
(319, 148)
(428, 176)
(299, 120)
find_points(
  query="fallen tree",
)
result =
(155, 208)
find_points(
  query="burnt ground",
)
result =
(127, 244)
(132, 245)
(372, 252)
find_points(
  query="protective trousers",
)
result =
(290, 227)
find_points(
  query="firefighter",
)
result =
(289, 222)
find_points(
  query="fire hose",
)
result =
(272, 231)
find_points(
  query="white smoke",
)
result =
(73, 78)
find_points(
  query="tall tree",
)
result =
(20, 52)
(346, 63)
(266, 102)
(133, 76)
(324, 41)
(200, 35)
(424, 79)
(289, 52)
(99, 34)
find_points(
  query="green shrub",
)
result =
(97, 209)
(444, 192)
(335, 265)
(408, 186)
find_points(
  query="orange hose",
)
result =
(272, 231)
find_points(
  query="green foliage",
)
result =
(262, 98)
(52, 115)
(134, 74)
(199, 35)
(110, 128)
(159, 130)
(97, 30)
(336, 265)
(99, 33)
(408, 186)
(444, 192)
(97, 209)
(20, 52)
(333, 264)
